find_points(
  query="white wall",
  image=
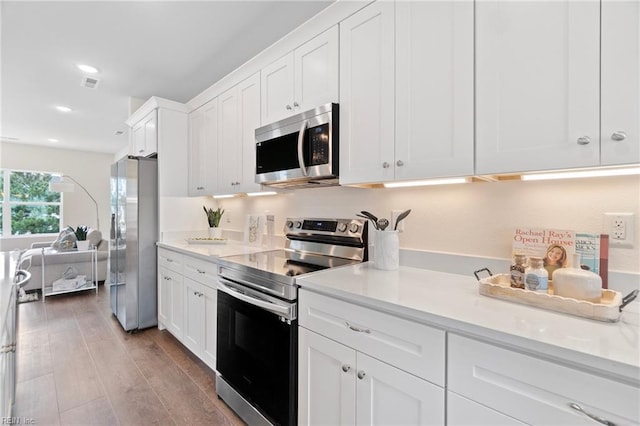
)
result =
(474, 219)
(91, 169)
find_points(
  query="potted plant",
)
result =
(81, 236)
(213, 217)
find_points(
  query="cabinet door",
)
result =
(194, 315)
(326, 392)
(620, 82)
(210, 324)
(434, 89)
(229, 146)
(464, 412)
(249, 116)
(176, 317)
(315, 65)
(164, 297)
(537, 85)
(137, 140)
(203, 145)
(367, 95)
(387, 395)
(145, 135)
(277, 89)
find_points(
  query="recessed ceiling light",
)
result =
(53, 140)
(63, 108)
(87, 68)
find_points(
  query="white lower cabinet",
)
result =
(533, 390)
(464, 412)
(354, 363)
(187, 302)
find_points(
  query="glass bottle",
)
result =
(536, 278)
(517, 270)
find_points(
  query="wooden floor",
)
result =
(76, 366)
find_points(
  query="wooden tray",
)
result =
(608, 310)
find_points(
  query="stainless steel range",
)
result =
(257, 332)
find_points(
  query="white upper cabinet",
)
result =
(424, 127)
(145, 137)
(434, 89)
(239, 116)
(367, 95)
(301, 80)
(537, 85)
(620, 103)
(203, 145)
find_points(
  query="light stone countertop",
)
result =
(452, 302)
(210, 252)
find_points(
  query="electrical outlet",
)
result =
(394, 218)
(620, 227)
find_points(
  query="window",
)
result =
(28, 207)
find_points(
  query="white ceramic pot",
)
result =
(386, 250)
(215, 232)
(577, 283)
(82, 245)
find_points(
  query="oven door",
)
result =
(257, 350)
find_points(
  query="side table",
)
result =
(61, 285)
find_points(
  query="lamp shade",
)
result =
(57, 184)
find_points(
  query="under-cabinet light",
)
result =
(224, 196)
(572, 174)
(260, 194)
(446, 181)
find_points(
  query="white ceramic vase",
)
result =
(82, 245)
(577, 283)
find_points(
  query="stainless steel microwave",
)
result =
(299, 151)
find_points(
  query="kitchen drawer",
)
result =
(536, 391)
(415, 348)
(201, 271)
(170, 260)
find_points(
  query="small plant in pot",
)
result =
(213, 217)
(81, 235)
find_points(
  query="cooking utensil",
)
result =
(375, 225)
(382, 223)
(371, 216)
(401, 216)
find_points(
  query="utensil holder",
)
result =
(386, 254)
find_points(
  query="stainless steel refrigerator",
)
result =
(134, 232)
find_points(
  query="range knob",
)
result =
(354, 227)
(297, 224)
(342, 226)
(289, 224)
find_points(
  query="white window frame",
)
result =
(7, 204)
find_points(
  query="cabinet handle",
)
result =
(346, 367)
(201, 271)
(399, 163)
(295, 104)
(167, 278)
(357, 329)
(584, 140)
(288, 107)
(200, 188)
(385, 165)
(237, 183)
(619, 136)
(361, 374)
(578, 408)
(142, 150)
(169, 260)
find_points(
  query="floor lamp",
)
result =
(58, 184)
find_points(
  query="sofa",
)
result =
(71, 263)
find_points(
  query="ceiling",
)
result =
(170, 49)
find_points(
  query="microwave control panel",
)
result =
(319, 144)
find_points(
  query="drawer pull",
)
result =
(357, 329)
(346, 368)
(169, 260)
(167, 278)
(578, 408)
(361, 374)
(201, 271)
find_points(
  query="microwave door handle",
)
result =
(303, 129)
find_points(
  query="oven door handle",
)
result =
(303, 129)
(271, 307)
